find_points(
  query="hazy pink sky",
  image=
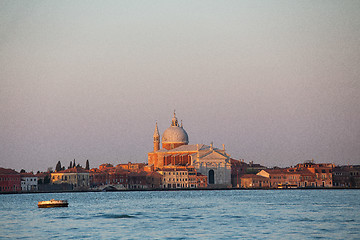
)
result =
(277, 82)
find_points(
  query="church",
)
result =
(175, 151)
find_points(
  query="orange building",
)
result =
(132, 166)
(289, 177)
(254, 181)
(209, 161)
(323, 172)
(196, 179)
(173, 137)
(174, 177)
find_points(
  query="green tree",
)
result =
(58, 167)
(46, 179)
(87, 167)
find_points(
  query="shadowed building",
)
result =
(254, 181)
(9, 180)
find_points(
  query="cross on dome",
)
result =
(174, 121)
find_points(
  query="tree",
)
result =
(70, 166)
(74, 164)
(58, 167)
(87, 167)
(46, 179)
(22, 171)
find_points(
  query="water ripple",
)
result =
(115, 216)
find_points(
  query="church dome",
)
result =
(175, 133)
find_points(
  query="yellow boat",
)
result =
(53, 203)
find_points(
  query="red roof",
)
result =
(73, 170)
(27, 175)
(253, 176)
(8, 171)
(288, 171)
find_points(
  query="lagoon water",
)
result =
(230, 214)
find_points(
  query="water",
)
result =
(254, 214)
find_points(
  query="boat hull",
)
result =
(53, 203)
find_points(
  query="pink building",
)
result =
(10, 180)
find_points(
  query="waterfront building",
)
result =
(123, 176)
(346, 176)
(174, 177)
(144, 180)
(254, 181)
(215, 163)
(9, 180)
(29, 182)
(238, 169)
(196, 179)
(117, 177)
(176, 151)
(108, 177)
(97, 178)
(323, 172)
(77, 177)
(289, 177)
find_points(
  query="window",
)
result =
(211, 177)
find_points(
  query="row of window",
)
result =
(32, 183)
(66, 177)
(256, 181)
(177, 173)
(8, 188)
(29, 179)
(176, 179)
(178, 185)
(9, 179)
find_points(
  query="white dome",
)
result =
(175, 134)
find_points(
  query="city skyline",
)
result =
(276, 82)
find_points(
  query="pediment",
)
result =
(214, 156)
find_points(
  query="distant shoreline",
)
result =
(177, 190)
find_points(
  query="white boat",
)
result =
(53, 203)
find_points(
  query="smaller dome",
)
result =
(175, 134)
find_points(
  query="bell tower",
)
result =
(156, 138)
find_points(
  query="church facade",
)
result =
(176, 151)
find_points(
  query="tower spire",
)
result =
(156, 138)
(156, 132)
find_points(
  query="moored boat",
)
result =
(286, 186)
(53, 203)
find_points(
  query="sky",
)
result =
(277, 82)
